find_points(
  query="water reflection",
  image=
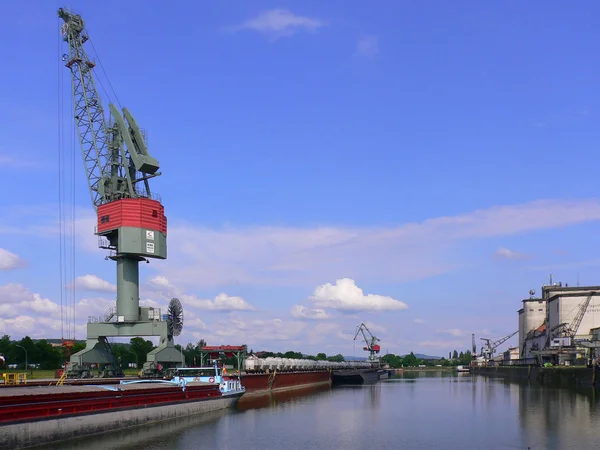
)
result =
(415, 410)
(272, 399)
(159, 435)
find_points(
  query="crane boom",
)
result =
(571, 331)
(491, 346)
(112, 169)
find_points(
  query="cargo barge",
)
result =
(277, 381)
(35, 416)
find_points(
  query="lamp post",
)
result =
(26, 365)
(137, 361)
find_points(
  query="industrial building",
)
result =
(560, 326)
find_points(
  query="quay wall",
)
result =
(560, 377)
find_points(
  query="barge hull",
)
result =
(28, 433)
(277, 381)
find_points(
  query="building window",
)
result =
(530, 309)
(540, 309)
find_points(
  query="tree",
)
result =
(336, 358)
(141, 348)
(410, 360)
(321, 356)
(200, 345)
(455, 355)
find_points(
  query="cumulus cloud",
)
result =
(222, 302)
(302, 312)
(504, 253)
(17, 300)
(9, 260)
(94, 283)
(345, 295)
(279, 22)
(367, 46)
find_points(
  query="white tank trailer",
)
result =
(254, 364)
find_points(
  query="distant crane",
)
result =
(371, 343)
(489, 347)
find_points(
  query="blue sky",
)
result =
(428, 161)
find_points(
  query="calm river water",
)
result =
(416, 411)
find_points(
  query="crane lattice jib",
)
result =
(572, 330)
(89, 115)
(371, 342)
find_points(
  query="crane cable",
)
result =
(59, 157)
(66, 183)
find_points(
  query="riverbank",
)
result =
(558, 376)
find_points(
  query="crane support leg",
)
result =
(164, 354)
(98, 351)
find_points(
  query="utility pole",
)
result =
(26, 363)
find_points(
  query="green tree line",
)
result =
(43, 355)
(410, 360)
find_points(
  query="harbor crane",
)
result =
(489, 347)
(371, 343)
(131, 222)
(563, 334)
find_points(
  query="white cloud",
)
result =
(418, 321)
(454, 332)
(449, 345)
(374, 328)
(17, 300)
(300, 256)
(345, 295)
(14, 162)
(504, 253)
(222, 302)
(9, 260)
(302, 312)
(280, 22)
(94, 283)
(256, 333)
(200, 256)
(367, 46)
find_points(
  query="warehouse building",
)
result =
(540, 317)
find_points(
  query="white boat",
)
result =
(228, 385)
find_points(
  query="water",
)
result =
(416, 411)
